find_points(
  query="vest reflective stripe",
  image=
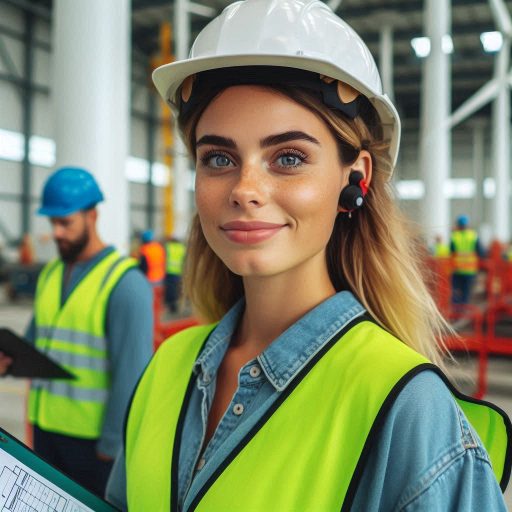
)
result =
(318, 471)
(155, 259)
(64, 390)
(465, 258)
(84, 362)
(175, 254)
(74, 337)
(73, 334)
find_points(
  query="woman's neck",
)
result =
(272, 304)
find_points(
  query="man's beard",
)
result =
(69, 251)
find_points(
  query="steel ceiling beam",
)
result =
(37, 10)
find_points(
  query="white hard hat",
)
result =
(300, 34)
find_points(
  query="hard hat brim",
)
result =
(169, 77)
(61, 212)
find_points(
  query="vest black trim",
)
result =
(382, 415)
(508, 425)
(282, 397)
(179, 432)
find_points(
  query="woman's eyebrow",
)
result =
(216, 140)
(279, 138)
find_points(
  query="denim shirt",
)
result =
(427, 456)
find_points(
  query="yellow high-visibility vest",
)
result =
(307, 452)
(73, 334)
(465, 260)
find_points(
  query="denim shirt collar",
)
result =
(285, 357)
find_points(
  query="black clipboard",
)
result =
(28, 362)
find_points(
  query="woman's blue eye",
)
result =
(217, 161)
(289, 160)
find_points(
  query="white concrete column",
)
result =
(180, 162)
(90, 93)
(501, 147)
(386, 60)
(435, 151)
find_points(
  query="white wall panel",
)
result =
(42, 67)
(11, 117)
(10, 177)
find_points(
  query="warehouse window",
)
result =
(42, 151)
(11, 146)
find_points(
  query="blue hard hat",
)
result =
(147, 236)
(462, 221)
(68, 190)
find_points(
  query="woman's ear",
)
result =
(363, 164)
(359, 177)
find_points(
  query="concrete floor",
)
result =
(13, 392)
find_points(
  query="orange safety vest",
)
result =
(155, 258)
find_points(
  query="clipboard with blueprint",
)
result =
(28, 361)
(27, 482)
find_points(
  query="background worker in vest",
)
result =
(440, 248)
(291, 399)
(465, 249)
(93, 315)
(152, 258)
(175, 255)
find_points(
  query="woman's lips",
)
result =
(250, 232)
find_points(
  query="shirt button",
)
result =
(255, 371)
(238, 409)
(200, 464)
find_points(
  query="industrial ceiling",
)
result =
(471, 66)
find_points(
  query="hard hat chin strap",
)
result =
(333, 93)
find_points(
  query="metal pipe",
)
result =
(150, 156)
(501, 17)
(484, 95)
(27, 102)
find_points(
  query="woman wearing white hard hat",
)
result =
(312, 385)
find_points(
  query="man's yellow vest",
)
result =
(175, 253)
(309, 450)
(465, 260)
(73, 334)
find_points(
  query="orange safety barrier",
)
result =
(162, 330)
(499, 297)
(470, 337)
(498, 305)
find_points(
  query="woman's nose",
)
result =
(250, 189)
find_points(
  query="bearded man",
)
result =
(93, 315)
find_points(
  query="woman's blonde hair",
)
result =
(376, 254)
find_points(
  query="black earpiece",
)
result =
(352, 196)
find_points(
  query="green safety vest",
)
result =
(465, 260)
(175, 253)
(73, 335)
(308, 451)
